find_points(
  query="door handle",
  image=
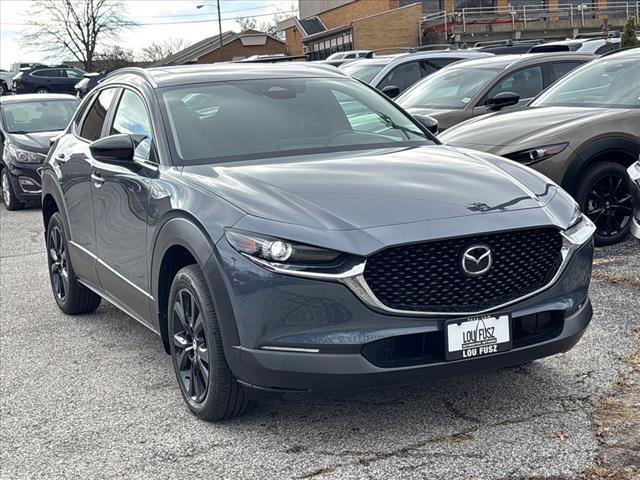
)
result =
(97, 179)
(61, 158)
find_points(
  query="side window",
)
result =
(427, 67)
(526, 82)
(402, 76)
(131, 117)
(560, 69)
(362, 118)
(443, 62)
(72, 73)
(92, 126)
(52, 72)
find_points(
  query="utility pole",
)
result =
(219, 26)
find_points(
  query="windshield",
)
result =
(38, 116)
(247, 119)
(448, 88)
(337, 56)
(364, 71)
(614, 82)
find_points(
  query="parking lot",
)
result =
(95, 396)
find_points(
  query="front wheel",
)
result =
(8, 195)
(71, 296)
(3, 88)
(604, 196)
(208, 387)
(41, 90)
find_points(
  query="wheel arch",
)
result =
(620, 149)
(52, 202)
(183, 241)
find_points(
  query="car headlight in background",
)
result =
(280, 251)
(576, 216)
(25, 156)
(534, 155)
(634, 171)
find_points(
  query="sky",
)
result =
(202, 23)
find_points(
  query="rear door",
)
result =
(120, 201)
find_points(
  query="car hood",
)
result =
(342, 191)
(34, 142)
(525, 126)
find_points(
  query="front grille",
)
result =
(427, 348)
(428, 276)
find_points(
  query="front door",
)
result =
(120, 202)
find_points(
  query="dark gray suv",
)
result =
(278, 243)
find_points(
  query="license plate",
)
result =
(478, 336)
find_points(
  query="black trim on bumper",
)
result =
(291, 371)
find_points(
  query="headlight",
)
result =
(534, 155)
(25, 156)
(281, 251)
(634, 172)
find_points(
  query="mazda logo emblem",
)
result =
(476, 260)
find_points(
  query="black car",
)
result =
(277, 243)
(27, 123)
(41, 79)
(89, 82)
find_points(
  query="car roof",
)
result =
(401, 57)
(35, 97)
(508, 61)
(220, 72)
(633, 52)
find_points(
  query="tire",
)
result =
(604, 196)
(197, 352)
(72, 297)
(41, 90)
(9, 198)
(3, 88)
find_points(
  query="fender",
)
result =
(184, 230)
(51, 187)
(585, 155)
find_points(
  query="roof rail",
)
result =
(617, 50)
(422, 48)
(141, 72)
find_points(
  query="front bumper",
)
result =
(292, 333)
(634, 175)
(26, 181)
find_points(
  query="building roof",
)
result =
(211, 44)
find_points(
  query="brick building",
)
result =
(236, 46)
(329, 26)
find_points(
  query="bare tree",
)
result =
(74, 27)
(269, 26)
(247, 24)
(160, 50)
(114, 57)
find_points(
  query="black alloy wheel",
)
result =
(58, 264)
(605, 197)
(190, 344)
(71, 296)
(206, 382)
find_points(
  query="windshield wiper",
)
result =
(389, 122)
(20, 132)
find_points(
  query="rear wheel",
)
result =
(41, 90)
(3, 88)
(71, 296)
(8, 195)
(604, 196)
(207, 385)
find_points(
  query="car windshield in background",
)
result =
(38, 116)
(264, 118)
(365, 71)
(608, 83)
(449, 88)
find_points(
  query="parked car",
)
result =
(634, 175)
(90, 81)
(339, 58)
(472, 88)
(506, 47)
(597, 46)
(27, 123)
(47, 80)
(235, 211)
(393, 74)
(6, 81)
(583, 133)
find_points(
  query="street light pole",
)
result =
(219, 26)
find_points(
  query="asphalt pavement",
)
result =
(94, 396)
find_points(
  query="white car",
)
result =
(6, 81)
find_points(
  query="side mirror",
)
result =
(428, 122)
(116, 149)
(391, 91)
(502, 100)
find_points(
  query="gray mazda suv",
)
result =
(277, 243)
